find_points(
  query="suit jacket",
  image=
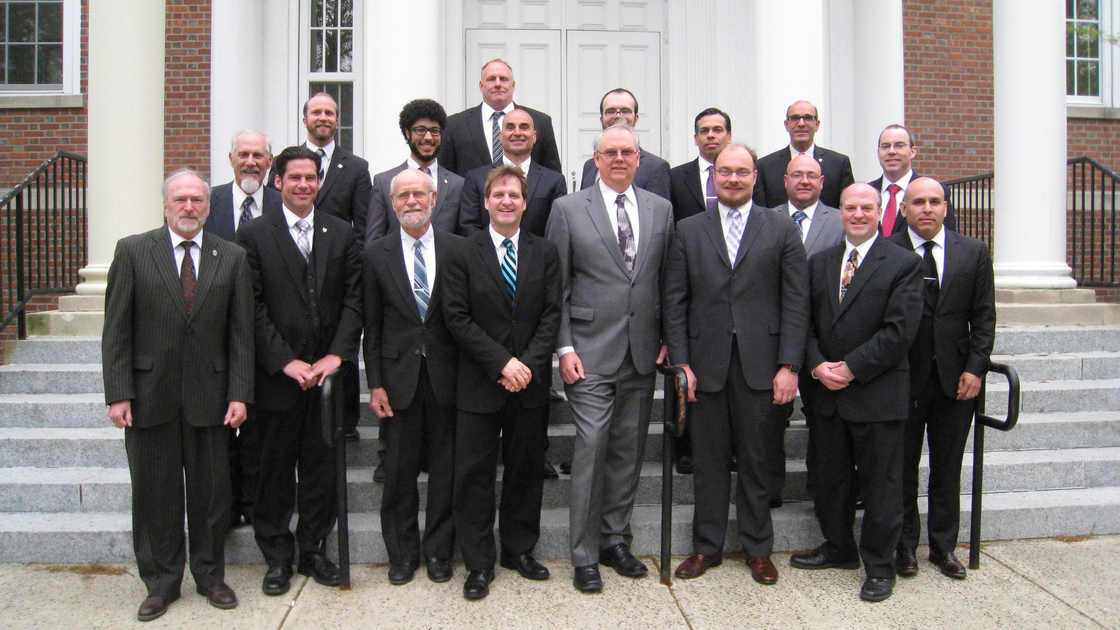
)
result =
(652, 175)
(607, 309)
(964, 318)
(466, 145)
(770, 187)
(295, 320)
(166, 361)
(545, 186)
(763, 299)
(685, 192)
(900, 221)
(872, 330)
(383, 219)
(491, 329)
(221, 220)
(825, 230)
(345, 191)
(396, 338)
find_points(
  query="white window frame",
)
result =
(306, 77)
(1109, 61)
(70, 92)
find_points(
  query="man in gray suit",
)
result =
(613, 241)
(621, 106)
(177, 358)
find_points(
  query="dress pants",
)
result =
(292, 439)
(611, 413)
(871, 452)
(160, 458)
(245, 465)
(476, 469)
(947, 422)
(735, 420)
(422, 427)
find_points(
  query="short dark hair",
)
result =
(298, 152)
(421, 108)
(909, 136)
(316, 96)
(618, 90)
(504, 171)
(711, 111)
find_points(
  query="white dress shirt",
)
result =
(328, 153)
(196, 251)
(432, 168)
(938, 250)
(704, 164)
(292, 218)
(488, 125)
(239, 198)
(848, 247)
(408, 244)
(500, 249)
(807, 222)
(793, 152)
(902, 182)
(630, 205)
(524, 166)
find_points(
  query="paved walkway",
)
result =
(1042, 583)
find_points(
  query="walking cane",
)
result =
(676, 398)
(333, 431)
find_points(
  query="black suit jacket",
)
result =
(490, 330)
(770, 188)
(293, 320)
(685, 192)
(395, 335)
(872, 330)
(964, 318)
(167, 362)
(653, 174)
(466, 145)
(221, 220)
(545, 186)
(900, 221)
(764, 299)
(382, 217)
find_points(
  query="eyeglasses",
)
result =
(898, 146)
(419, 194)
(625, 111)
(742, 173)
(797, 175)
(613, 153)
(793, 119)
(420, 132)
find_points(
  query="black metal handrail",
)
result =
(334, 430)
(984, 420)
(43, 235)
(676, 406)
(1092, 223)
(972, 204)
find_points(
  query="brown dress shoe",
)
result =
(948, 563)
(695, 565)
(154, 607)
(906, 562)
(219, 596)
(763, 571)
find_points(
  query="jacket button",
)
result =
(415, 352)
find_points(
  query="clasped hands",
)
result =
(310, 375)
(515, 375)
(834, 375)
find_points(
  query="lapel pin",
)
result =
(324, 230)
(213, 252)
(339, 166)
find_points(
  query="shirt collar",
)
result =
(488, 111)
(177, 240)
(524, 166)
(412, 163)
(291, 218)
(498, 238)
(744, 210)
(427, 238)
(863, 248)
(609, 194)
(902, 182)
(809, 212)
(918, 241)
(239, 197)
(328, 151)
(793, 152)
(704, 164)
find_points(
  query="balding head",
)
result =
(803, 181)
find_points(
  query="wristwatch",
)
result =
(793, 368)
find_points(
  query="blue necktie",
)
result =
(420, 280)
(509, 269)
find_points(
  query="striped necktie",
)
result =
(734, 233)
(496, 139)
(420, 286)
(509, 269)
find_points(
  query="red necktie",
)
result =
(187, 275)
(892, 210)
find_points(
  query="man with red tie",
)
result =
(897, 148)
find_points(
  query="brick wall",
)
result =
(187, 96)
(1098, 139)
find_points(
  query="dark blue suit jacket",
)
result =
(222, 212)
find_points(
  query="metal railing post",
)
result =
(333, 432)
(984, 420)
(676, 399)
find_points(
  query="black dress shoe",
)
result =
(320, 567)
(876, 589)
(154, 607)
(277, 580)
(401, 573)
(587, 579)
(219, 596)
(622, 561)
(439, 570)
(684, 465)
(817, 560)
(906, 562)
(566, 467)
(548, 472)
(350, 434)
(526, 565)
(477, 585)
(379, 472)
(775, 504)
(949, 564)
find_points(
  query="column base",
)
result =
(1034, 276)
(96, 280)
(1048, 307)
(81, 315)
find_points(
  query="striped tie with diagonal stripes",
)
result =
(509, 269)
(420, 280)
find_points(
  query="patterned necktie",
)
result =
(246, 211)
(322, 164)
(929, 272)
(849, 271)
(710, 199)
(496, 140)
(799, 216)
(187, 275)
(892, 209)
(734, 233)
(509, 269)
(420, 286)
(303, 241)
(625, 234)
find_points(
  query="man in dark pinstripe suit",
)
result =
(177, 353)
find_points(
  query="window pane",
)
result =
(1084, 43)
(3, 64)
(346, 61)
(346, 139)
(21, 65)
(1071, 78)
(316, 50)
(21, 22)
(50, 64)
(317, 13)
(1071, 43)
(332, 51)
(1087, 9)
(1092, 47)
(346, 95)
(50, 22)
(3, 25)
(347, 11)
(1092, 78)
(332, 12)
(1069, 10)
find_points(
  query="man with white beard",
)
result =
(246, 197)
(243, 199)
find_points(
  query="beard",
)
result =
(413, 220)
(250, 185)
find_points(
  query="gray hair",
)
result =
(618, 124)
(233, 140)
(183, 172)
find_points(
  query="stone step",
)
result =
(53, 378)
(53, 350)
(53, 411)
(1074, 366)
(1035, 339)
(1057, 396)
(107, 537)
(62, 448)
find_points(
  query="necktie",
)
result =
(303, 241)
(246, 211)
(187, 275)
(892, 209)
(625, 234)
(420, 287)
(509, 269)
(929, 272)
(799, 216)
(710, 198)
(849, 271)
(734, 233)
(496, 140)
(322, 164)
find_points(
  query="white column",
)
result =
(236, 78)
(879, 87)
(1030, 145)
(403, 53)
(126, 58)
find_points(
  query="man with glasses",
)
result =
(802, 123)
(621, 106)
(692, 184)
(897, 148)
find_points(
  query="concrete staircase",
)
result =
(64, 485)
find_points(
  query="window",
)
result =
(39, 47)
(1083, 48)
(332, 62)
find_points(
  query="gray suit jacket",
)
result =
(652, 175)
(382, 218)
(825, 230)
(166, 361)
(606, 309)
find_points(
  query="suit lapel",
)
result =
(293, 260)
(832, 281)
(399, 273)
(525, 256)
(208, 261)
(866, 269)
(534, 177)
(598, 213)
(819, 217)
(490, 261)
(645, 228)
(714, 228)
(479, 136)
(334, 169)
(321, 253)
(754, 226)
(164, 259)
(441, 191)
(693, 182)
(952, 261)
